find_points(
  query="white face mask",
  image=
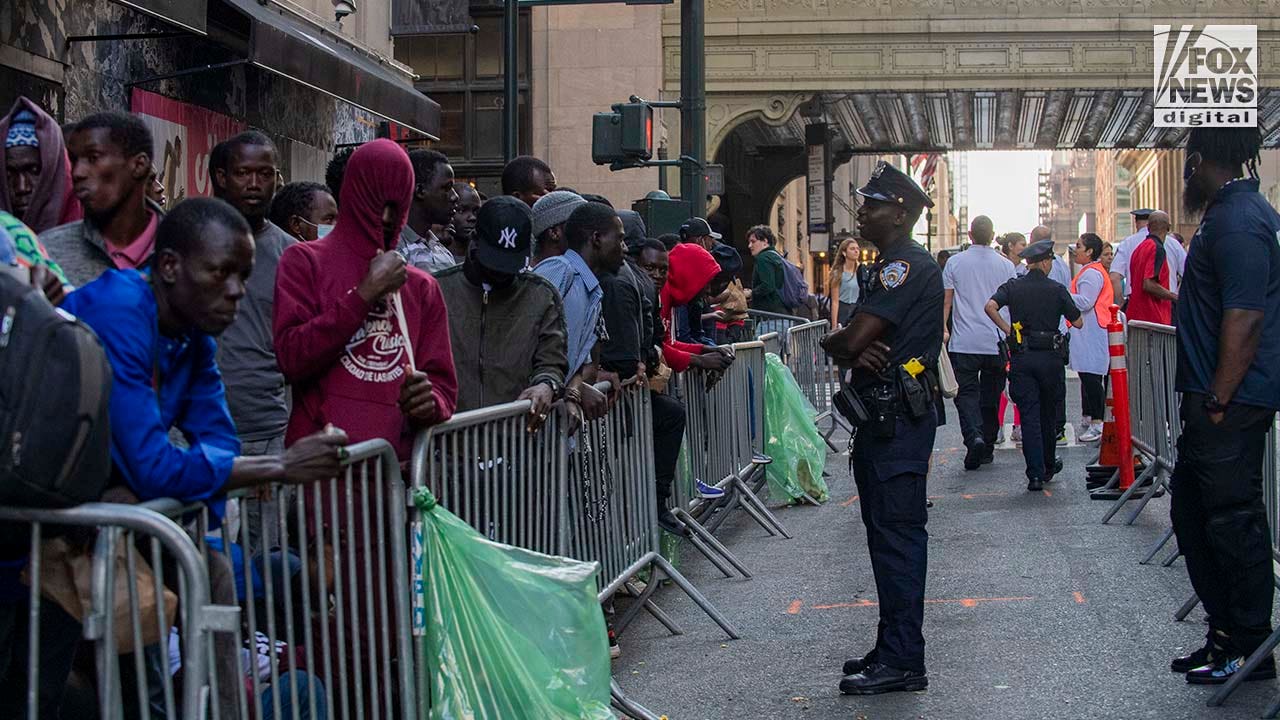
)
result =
(322, 230)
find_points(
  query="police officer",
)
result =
(892, 344)
(1038, 351)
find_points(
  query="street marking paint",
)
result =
(970, 496)
(1047, 493)
(794, 607)
(962, 602)
(1079, 596)
(849, 502)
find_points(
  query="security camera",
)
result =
(343, 8)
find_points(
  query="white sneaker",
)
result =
(1017, 434)
(1093, 434)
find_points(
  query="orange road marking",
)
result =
(1079, 596)
(963, 602)
(794, 608)
(970, 496)
(1047, 493)
(849, 502)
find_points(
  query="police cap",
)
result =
(1141, 213)
(891, 185)
(1037, 251)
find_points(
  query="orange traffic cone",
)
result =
(1116, 449)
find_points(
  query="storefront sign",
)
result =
(184, 135)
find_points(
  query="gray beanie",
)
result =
(553, 209)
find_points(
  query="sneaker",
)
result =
(1062, 437)
(1201, 657)
(1017, 435)
(708, 492)
(615, 651)
(1093, 434)
(1224, 666)
(1000, 436)
(668, 521)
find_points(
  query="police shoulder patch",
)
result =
(894, 274)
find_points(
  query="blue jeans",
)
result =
(307, 684)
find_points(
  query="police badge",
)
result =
(894, 274)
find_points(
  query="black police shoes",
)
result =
(857, 665)
(990, 457)
(877, 678)
(1227, 664)
(977, 451)
(1035, 485)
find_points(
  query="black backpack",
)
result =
(55, 384)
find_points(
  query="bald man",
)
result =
(1151, 296)
(970, 279)
(1175, 255)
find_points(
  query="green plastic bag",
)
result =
(510, 633)
(791, 438)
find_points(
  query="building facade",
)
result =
(199, 71)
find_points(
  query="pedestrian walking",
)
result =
(1038, 350)
(1090, 354)
(968, 281)
(893, 343)
(1229, 377)
(842, 284)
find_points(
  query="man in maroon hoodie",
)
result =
(338, 336)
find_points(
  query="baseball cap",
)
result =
(504, 234)
(697, 227)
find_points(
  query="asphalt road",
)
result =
(1035, 610)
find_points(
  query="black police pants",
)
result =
(891, 477)
(1220, 520)
(668, 434)
(1038, 384)
(981, 379)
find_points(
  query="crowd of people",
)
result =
(253, 334)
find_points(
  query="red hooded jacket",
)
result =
(692, 267)
(347, 358)
(52, 202)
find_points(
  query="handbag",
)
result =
(66, 577)
(947, 376)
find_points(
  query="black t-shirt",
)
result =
(1234, 263)
(1036, 301)
(906, 291)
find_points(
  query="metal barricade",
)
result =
(322, 580)
(128, 611)
(815, 372)
(772, 343)
(1151, 356)
(761, 323)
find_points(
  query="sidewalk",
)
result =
(1035, 611)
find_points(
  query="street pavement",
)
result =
(1035, 610)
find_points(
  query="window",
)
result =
(464, 74)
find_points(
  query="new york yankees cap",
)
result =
(504, 235)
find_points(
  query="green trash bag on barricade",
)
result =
(510, 633)
(791, 438)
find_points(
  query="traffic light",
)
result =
(623, 137)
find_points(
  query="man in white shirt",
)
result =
(1175, 256)
(969, 280)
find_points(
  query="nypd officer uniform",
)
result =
(1038, 352)
(892, 344)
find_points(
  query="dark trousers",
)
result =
(1220, 521)
(891, 477)
(1038, 384)
(668, 433)
(981, 379)
(1093, 395)
(59, 635)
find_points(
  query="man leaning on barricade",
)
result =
(158, 333)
